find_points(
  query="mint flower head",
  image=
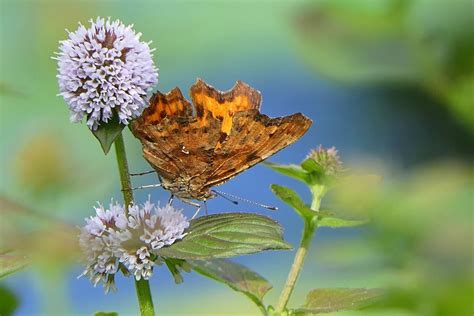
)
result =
(328, 161)
(112, 241)
(105, 70)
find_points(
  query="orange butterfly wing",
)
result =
(226, 135)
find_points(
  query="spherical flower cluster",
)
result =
(328, 160)
(105, 70)
(113, 241)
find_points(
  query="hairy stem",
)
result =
(145, 301)
(123, 171)
(308, 232)
(142, 287)
(296, 267)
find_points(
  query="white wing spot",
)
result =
(184, 151)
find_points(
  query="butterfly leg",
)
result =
(191, 203)
(198, 206)
(197, 212)
(171, 199)
(205, 207)
(142, 173)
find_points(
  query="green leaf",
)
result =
(10, 263)
(227, 235)
(336, 222)
(291, 198)
(106, 314)
(106, 133)
(176, 266)
(9, 302)
(311, 166)
(331, 300)
(236, 276)
(315, 173)
(292, 171)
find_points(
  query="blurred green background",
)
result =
(389, 83)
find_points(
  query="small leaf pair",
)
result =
(319, 172)
(321, 168)
(321, 218)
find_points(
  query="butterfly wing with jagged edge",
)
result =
(226, 135)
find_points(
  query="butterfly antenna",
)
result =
(223, 195)
(233, 198)
(142, 173)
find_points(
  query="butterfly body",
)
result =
(193, 150)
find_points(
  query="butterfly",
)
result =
(194, 148)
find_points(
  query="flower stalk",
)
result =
(310, 227)
(145, 301)
(142, 286)
(123, 171)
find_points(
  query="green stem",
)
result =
(123, 171)
(262, 309)
(145, 301)
(310, 226)
(142, 287)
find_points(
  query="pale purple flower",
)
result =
(328, 160)
(105, 70)
(111, 240)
